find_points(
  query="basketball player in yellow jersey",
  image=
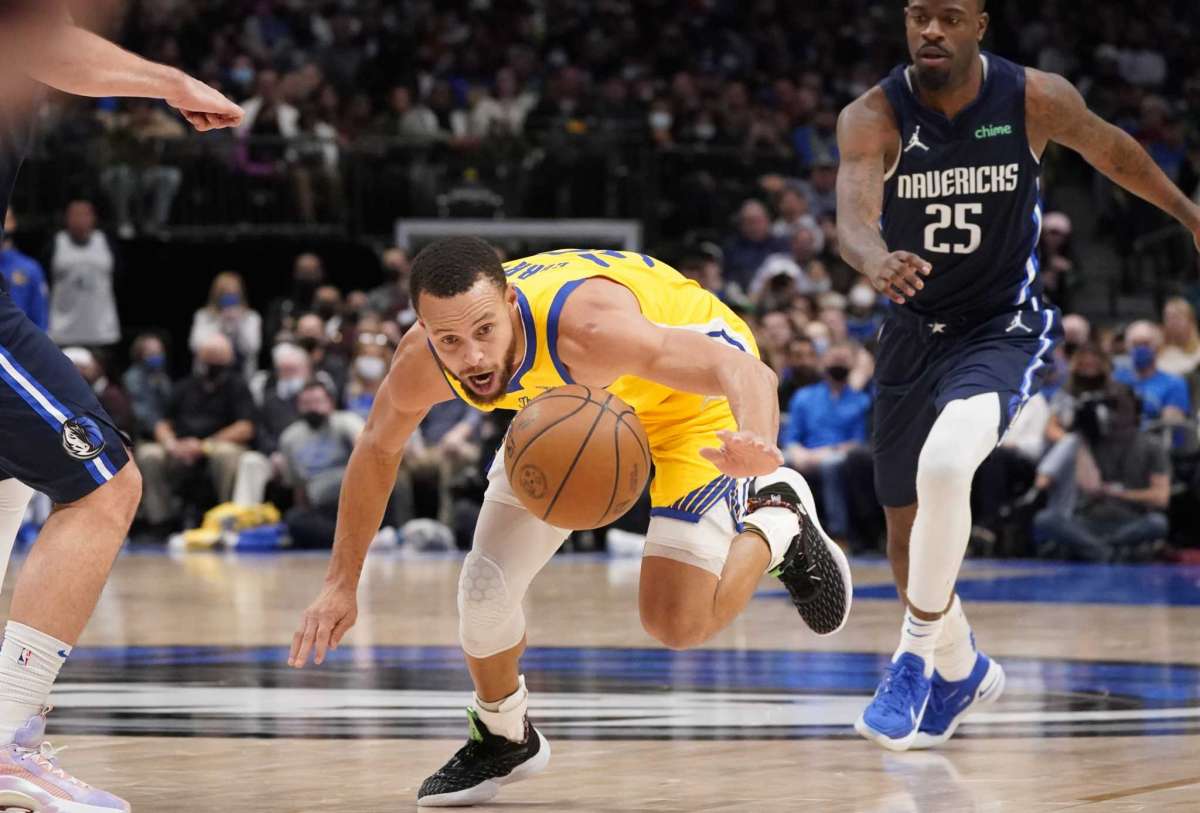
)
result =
(724, 510)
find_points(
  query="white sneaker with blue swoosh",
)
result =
(952, 700)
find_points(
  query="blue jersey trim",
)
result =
(1035, 363)
(556, 306)
(530, 341)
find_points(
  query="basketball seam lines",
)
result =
(578, 454)
(546, 429)
(645, 451)
(617, 465)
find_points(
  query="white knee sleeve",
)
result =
(490, 618)
(14, 499)
(510, 547)
(962, 437)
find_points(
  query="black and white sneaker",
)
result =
(477, 771)
(814, 569)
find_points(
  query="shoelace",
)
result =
(899, 683)
(46, 756)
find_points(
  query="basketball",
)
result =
(577, 457)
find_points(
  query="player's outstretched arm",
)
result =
(866, 132)
(51, 50)
(1056, 112)
(603, 336)
(412, 386)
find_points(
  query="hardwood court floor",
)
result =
(178, 699)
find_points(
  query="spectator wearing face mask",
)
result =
(825, 421)
(147, 384)
(370, 365)
(1164, 396)
(315, 450)
(327, 303)
(276, 393)
(863, 319)
(311, 335)
(227, 313)
(1106, 484)
(109, 394)
(800, 369)
(208, 425)
(283, 312)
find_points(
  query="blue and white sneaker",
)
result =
(894, 715)
(952, 700)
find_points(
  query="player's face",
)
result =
(475, 337)
(943, 39)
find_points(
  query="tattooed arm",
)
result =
(869, 142)
(1055, 111)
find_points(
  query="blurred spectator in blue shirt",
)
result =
(863, 318)
(1164, 396)
(148, 384)
(825, 421)
(746, 252)
(24, 277)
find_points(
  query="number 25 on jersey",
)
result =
(958, 217)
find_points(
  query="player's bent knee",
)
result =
(119, 497)
(490, 620)
(674, 626)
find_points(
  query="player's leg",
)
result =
(66, 447)
(14, 499)
(700, 571)
(510, 547)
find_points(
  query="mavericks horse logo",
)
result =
(82, 438)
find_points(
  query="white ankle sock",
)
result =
(920, 638)
(777, 526)
(955, 655)
(506, 717)
(29, 664)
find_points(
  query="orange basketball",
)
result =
(577, 457)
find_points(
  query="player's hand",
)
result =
(204, 107)
(744, 454)
(898, 275)
(325, 622)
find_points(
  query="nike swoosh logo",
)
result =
(62, 653)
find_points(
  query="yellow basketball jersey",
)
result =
(677, 424)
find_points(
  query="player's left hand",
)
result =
(744, 454)
(204, 107)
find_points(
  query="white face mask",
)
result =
(286, 388)
(371, 368)
(660, 120)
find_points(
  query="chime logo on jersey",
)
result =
(993, 130)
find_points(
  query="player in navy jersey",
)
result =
(54, 436)
(938, 206)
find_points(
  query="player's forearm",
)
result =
(366, 487)
(753, 392)
(74, 60)
(860, 243)
(1122, 159)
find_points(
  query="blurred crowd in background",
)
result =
(712, 122)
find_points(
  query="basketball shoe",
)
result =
(474, 774)
(952, 700)
(894, 714)
(814, 570)
(31, 780)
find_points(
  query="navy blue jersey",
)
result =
(964, 196)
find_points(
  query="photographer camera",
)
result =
(1107, 484)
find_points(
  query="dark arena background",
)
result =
(698, 132)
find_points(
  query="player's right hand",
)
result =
(204, 107)
(325, 622)
(898, 275)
